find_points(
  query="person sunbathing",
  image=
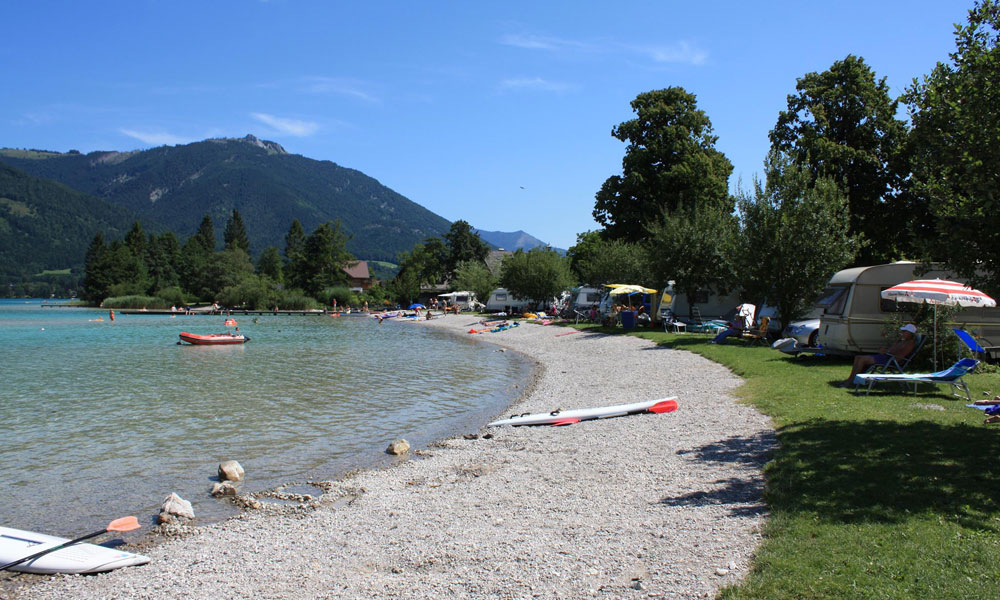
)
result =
(898, 351)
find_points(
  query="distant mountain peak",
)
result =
(271, 147)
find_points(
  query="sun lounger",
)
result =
(952, 376)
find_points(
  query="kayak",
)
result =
(568, 417)
(78, 558)
(213, 339)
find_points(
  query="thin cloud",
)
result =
(292, 127)
(680, 52)
(534, 83)
(338, 86)
(155, 138)
(541, 42)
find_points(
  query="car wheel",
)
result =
(812, 338)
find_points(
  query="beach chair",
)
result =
(699, 325)
(670, 322)
(973, 345)
(952, 376)
(755, 336)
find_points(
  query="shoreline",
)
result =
(645, 506)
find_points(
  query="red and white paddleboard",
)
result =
(568, 417)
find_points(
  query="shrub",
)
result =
(134, 302)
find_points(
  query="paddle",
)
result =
(122, 524)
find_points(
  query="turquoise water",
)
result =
(102, 419)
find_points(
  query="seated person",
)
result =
(899, 350)
(736, 325)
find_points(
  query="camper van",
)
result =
(585, 297)
(853, 310)
(503, 301)
(464, 300)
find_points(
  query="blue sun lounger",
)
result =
(952, 376)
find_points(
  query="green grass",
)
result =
(54, 272)
(870, 497)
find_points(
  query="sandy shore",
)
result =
(634, 507)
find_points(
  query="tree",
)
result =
(434, 258)
(235, 235)
(163, 260)
(226, 269)
(803, 226)
(475, 276)
(96, 279)
(463, 245)
(269, 265)
(198, 250)
(955, 112)
(842, 124)
(205, 236)
(135, 239)
(325, 256)
(295, 248)
(670, 160)
(538, 274)
(596, 260)
(694, 248)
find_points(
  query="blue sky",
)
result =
(496, 113)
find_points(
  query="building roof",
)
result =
(357, 270)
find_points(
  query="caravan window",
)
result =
(501, 297)
(833, 299)
(593, 297)
(891, 306)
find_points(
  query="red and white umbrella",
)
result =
(938, 291)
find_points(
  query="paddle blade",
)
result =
(664, 407)
(124, 524)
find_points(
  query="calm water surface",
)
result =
(100, 419)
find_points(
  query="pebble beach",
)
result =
(645, 506)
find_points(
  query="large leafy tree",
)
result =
(842, 124)
(235, 236)
(475, 276)
(695, 248)
(955, 112)
(463, 245)
(802, 224)
(325, 256)
(670, 160)
(538, 274)
(596, 260)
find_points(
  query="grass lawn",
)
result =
(885, 496)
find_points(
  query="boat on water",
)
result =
(78, 558)
(213, 339)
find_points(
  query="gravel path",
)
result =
(645, 506)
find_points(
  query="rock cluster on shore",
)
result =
(646, 506)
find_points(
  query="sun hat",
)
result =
(909, 327)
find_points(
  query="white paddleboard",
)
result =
(78, 558)
(568, 417)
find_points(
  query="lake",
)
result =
(101, 419)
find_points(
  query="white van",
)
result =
(853, 310)
(503, 301)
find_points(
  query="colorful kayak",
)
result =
(213, 339)
(78, 558)
(568, 417)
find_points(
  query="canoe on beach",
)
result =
(79, 558)
(213, 339)
(569, 417)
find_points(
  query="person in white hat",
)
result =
(899, 350)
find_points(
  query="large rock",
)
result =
(398, 447)
(175, 506)
(230, 470)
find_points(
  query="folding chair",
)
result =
(758, 335)
(670, 322)
(952, 376)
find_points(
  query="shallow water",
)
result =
(102, 419)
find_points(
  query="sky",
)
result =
(496, 113)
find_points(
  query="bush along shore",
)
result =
(652, 505)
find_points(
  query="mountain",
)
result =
(46, 225)
(513, 240)
(175, 186)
